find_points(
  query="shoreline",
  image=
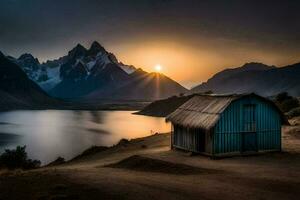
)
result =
(109, 108)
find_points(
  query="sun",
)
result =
(158, 67)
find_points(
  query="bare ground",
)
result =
(146, 168)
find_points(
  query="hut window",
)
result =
(249, 118)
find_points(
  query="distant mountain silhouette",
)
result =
(143, 86)
(255, 77)
(95, 73)
(17, 91)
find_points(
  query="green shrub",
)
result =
(282, 97)
(289, 104)
(17, 158)
(286, 102)
(295, 112)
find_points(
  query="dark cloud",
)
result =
(48, 26)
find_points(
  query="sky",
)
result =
(190, 39)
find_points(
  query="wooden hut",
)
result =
(220, 125)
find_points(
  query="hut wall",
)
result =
(189, 138)
(229, 130)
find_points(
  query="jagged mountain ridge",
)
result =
(87, 70)
(46, 75)
(255, 77)
(95, 73)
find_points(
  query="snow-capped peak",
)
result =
(129, 69)
(28, 58)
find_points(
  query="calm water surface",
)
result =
(52, 133)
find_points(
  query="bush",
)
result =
(282, 97)
(295, 112)
(17, 158)
(286, 102)
(289, 104)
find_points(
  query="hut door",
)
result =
(249, 139)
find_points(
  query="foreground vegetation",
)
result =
(17, 159)
(288, 104)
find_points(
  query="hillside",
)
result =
(255, 77)
(17, 91)
(164, 107)
(143, 86)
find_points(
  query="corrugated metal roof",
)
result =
(203, 111)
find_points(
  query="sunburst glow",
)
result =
(158, 68)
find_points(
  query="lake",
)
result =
(52, 133)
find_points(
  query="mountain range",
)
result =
(94, 74)
(254, 77)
